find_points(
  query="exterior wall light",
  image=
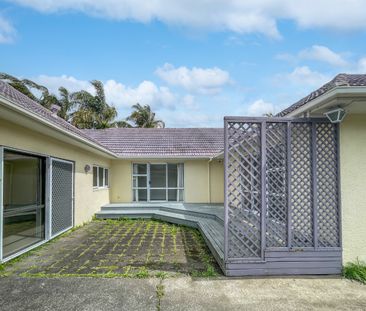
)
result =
(87, 168)
(336, 115)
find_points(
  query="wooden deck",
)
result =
(207, 218)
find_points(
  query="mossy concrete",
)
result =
(120, 248)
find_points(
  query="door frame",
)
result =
(148, 179)
(48, 192)
(49, 175)
(46, 176)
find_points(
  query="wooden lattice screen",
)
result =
(282, 196)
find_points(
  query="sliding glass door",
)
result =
(23, 201)
(158, 179)
(158, 182)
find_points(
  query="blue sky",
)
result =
(192, 61)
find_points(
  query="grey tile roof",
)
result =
(23, 101)
(340, 80)
(167, 142)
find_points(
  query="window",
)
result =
(100, 177)
(158, 182)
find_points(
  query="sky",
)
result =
(192, 61)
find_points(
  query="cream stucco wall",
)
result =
(353, 186)
(217, 181)
(87, 200)
(196, 180)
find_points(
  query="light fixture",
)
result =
(336, 115)
(87, 168)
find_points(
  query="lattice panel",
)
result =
(301, 186)
(276, 184)
(61, 196)
(327, 185)
(244, 190)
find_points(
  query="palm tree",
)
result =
(22, 86)
(66, 103)
(93, 111)
(143, 117)
(26, 86)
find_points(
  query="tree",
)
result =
(24, 86)
(143, 117)
(93, 112)
(66, 103)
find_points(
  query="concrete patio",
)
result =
(207, 218)
(181, 293)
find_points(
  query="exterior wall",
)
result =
(217, 181)
(121, 181)
(353, 189)
(196, 180)
(87, 200)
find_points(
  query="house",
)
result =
(55, 176)
(48, 162)
(345, 91)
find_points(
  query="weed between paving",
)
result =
(120, 248)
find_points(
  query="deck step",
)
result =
(211, 213)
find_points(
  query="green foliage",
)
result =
(355, 271)
(143, 273)
(83, 109)
(93, 111)
(143, 117)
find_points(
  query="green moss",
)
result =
(210, 272)
(355, 271)
(143, 273)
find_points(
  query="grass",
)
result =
(355, 271)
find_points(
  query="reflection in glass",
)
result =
(24, 202)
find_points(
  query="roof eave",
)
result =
(166, 157)
(322, 99)
(10, 104)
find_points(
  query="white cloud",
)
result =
(69, 82)
(189, 102)
(146, 93)
(118, 94)
(259, 108)
(302, 75)
(250, 16)
(361, 65)
(319, 53)
(188, 119)
(7, 31)
(197, 80)
(323, 54)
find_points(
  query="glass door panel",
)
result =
(158, 182)
(24, 202)
(157, 194)
(158, 175)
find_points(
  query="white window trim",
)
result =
(98, 187)
(148, 188)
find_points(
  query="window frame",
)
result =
(180, 193)
(106, 181)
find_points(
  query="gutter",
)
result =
(319, 101)
(27, 113)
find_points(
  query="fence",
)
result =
(282, 210)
